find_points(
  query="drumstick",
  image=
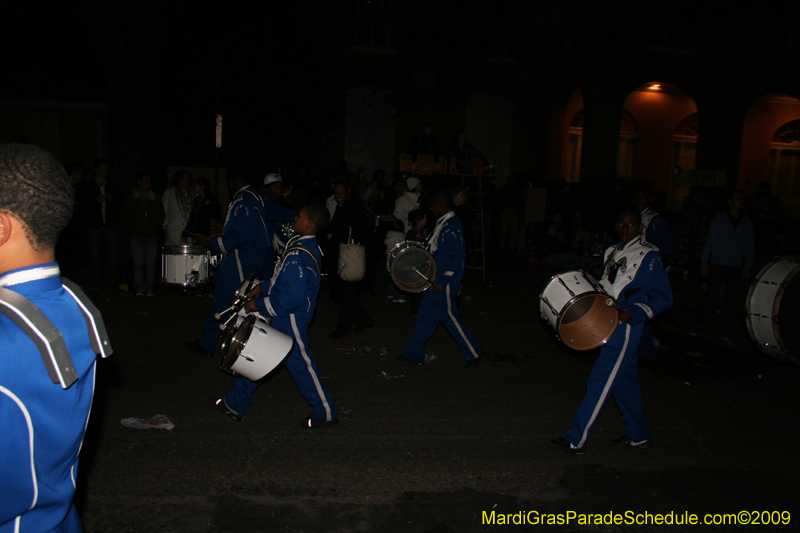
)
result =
(219, 315)
(195, 234)
(426, 278)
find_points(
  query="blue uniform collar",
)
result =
(48, 274)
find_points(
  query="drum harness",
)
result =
(46, 336)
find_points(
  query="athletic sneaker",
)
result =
(566, 446)
(625, 442)
(313, 423)
(223, 408)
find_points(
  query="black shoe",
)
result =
(625, 442)
(313, 423)
(566, 446)
(473, 363)
(403, 360)
(196, 348)
(336, 335)
(365, 326)
(223, 408)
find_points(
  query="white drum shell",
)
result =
(264, 350)
(560, 298)
(184, 266)
(763, 300)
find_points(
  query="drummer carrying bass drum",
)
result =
(291, 298)
(634, 276)
(439, 303)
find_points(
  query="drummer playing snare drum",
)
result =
(634, 276)
(290, 299)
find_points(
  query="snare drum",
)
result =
(184, 266)
(252, 349)
(411, 266)
(773, 309)
(577, 308)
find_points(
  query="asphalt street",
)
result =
(439, 448)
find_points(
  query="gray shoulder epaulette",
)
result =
(46, 336)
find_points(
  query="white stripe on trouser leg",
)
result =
(604, 395)
(458, 327)
(239, 265)
(314, 376)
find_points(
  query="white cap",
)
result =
(272, 178)
(412, 183)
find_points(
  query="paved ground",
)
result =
(430, 449)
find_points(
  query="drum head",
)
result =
(588, 321)
(233, 340)
(407, 266)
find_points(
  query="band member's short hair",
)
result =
(35, 188)
(319, 216)
(443, 196)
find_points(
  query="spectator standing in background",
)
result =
(408, 202)
(142, 214)
(177, 202)
(727, 260)
(100, 207)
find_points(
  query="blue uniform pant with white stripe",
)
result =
(441, 307)
(301, 367)
(613, 373)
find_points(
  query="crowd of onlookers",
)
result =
(378, 212)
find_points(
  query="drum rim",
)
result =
(417, 248)
(246, 286)
(184, 249)
(237, 345)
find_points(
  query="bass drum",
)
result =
(773, 309)
(411, 266)
(252, 348)
(577, 308)
(184, 266)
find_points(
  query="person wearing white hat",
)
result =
(274, 214)
(408, 202)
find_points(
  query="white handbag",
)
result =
(352, 260)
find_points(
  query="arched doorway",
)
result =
(666, 119)
(771, 146)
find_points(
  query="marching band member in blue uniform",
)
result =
(244, 243)
(291, 298)
(43, 421)
(439, 304)
(274, 214)
(634, 276)
(656, 232)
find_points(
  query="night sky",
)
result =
(271, 76)
(282, 81)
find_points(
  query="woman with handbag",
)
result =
(348, 236)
